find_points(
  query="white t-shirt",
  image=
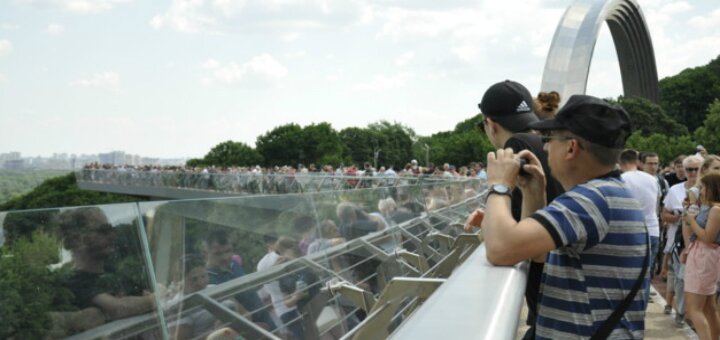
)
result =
(266, 262)
(645, 188)
(673, 202)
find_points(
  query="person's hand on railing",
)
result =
(474, 220)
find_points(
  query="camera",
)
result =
(523, 162)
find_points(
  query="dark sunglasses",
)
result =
(692, 169)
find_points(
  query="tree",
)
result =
(667, 147)
(395, 141)
(63, 191)
(648, 117)
(282, 145)
(457, 148)
(231, 153)
(709, 134)
(470, 124)
(359, 144)
(686, 96)
(321, 145)
(29, 289)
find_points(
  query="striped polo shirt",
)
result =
(601, 238)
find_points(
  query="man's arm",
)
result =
(122, 307)
(508, 242)
(669, 217)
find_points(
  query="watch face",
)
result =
(500, 188)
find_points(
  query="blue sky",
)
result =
(174, 78)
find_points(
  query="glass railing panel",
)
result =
(243, 250)
(76, 272)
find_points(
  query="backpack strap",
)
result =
(607, 327)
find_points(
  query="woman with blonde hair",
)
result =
(703, 259)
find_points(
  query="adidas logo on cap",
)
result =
(523, 107)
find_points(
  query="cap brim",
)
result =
(548, 124)
(516, 122)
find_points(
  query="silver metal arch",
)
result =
(568, 62)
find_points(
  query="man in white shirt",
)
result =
(645, 188)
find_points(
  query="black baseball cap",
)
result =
(592, 119)
(510, 104)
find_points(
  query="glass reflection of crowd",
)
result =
(292, 305)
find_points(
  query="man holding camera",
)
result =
(593, 236)
(507, 112)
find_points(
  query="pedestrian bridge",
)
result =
(188, 185)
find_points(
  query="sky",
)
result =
(172, 79)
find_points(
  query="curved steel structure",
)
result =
(568, 62)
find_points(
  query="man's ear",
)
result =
(573, 149)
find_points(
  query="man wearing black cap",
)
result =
(594, 234)
(507, 110)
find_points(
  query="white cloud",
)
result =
(104, 80)
(676, 8)
(332, 77)
(296, 55)
(475, 32)
(78, 6)
(5, 47)
(712, 20)
(294, 16)
(292, 36)
(55, 29)
(185, 16)
(467, 52)
(383, 82)
(261, 70)
(404, 58)
(9, 27)
(228, 8)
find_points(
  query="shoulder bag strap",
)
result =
(607, 327)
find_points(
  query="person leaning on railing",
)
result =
(593, 236)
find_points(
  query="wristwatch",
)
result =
(499, 189)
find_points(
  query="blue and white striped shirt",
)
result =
(601, 238)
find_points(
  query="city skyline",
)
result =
(171, 79)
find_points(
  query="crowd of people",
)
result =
(593, 216)
(596, 220)
(412, 168)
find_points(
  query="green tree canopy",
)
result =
(687, 95)
(648, 117)
(709, 134)
(282, 145)
(359, 144)
(231, 153)
(321, 144)
(63, 191)
(394, 140)
(457, 148)
(667, 147)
